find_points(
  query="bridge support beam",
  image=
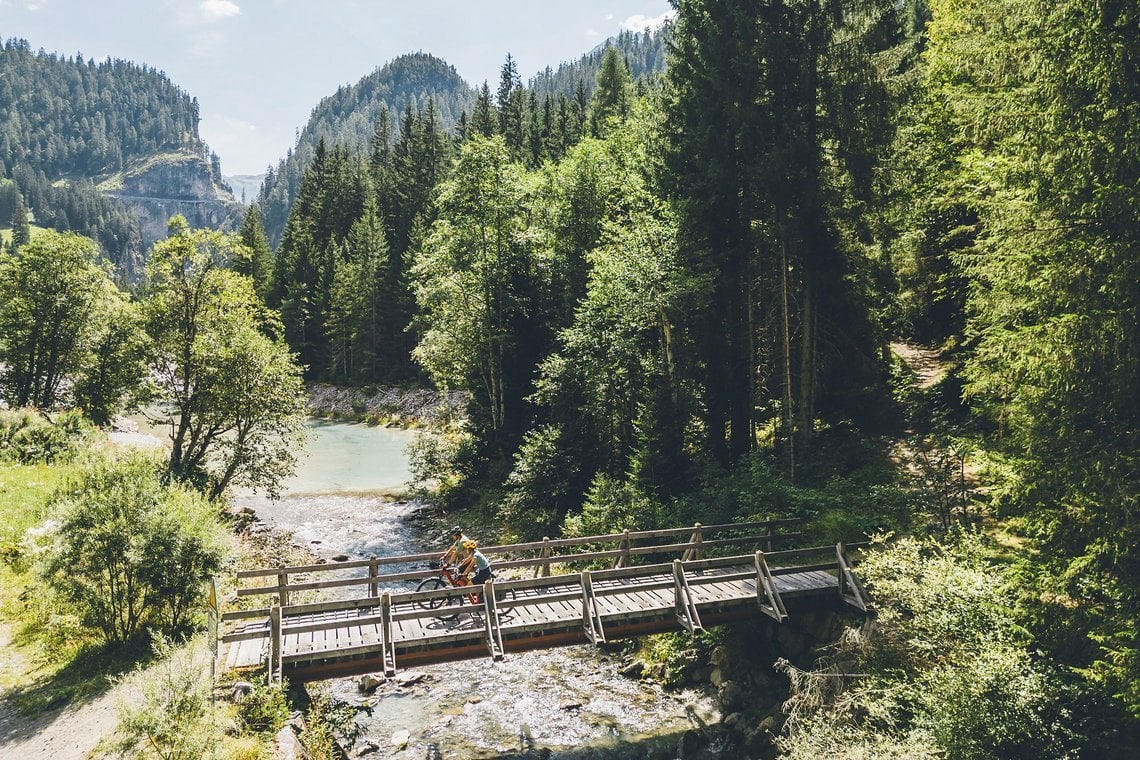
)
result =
(684, 606)
(766, 591)
(850, 588)
(274, 669)
(591, 618)
(491, 613)
(387, 640)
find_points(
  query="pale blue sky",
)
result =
(258, 67)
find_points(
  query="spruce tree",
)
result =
(613, 92)
(260, 263)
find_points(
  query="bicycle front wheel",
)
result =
(431, 584)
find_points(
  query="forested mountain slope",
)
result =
(644, 53)
(70, 128)
(553, 99)
(349, 117)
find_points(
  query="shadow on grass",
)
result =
(83, 678)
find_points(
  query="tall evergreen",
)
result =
(484, 120)
(613, 92)
(758, 94)
(259, 266)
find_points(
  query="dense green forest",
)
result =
(68, 123)
(644, 54)
(672, 297)
(406, 84)
(677, 303)
(545, 115)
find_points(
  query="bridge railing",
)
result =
(618, 549)
(503, 598)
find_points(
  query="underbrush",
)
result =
(946, 671)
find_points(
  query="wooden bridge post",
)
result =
(387, 643)
(850, 589)
(373, 572)
(544, 568)
(623, 558)
(282, 586)
(684, 606)
(591, 619)
(766, 591)
(274, 643)
(771, 532)
(695, 552)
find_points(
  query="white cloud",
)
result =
(639, 22)
(592, 33)
(609, 17)
(216, 10)
(35, 5)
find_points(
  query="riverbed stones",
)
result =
(411, 678)
(633, 670)
(369, 682)
(400, 739)
(730, 696)
(365, 749)
(240, 691)
(340, 558)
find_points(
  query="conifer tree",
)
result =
(259, 266)
(484, 120)
(613, 91)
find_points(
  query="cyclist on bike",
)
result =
(474, 562)
(454, 552)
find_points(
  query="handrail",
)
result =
(390, 607)
(625, 549)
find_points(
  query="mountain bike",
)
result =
(450, 577)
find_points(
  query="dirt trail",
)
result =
(926, 363)
(69, 733)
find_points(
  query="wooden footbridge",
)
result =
(680, 586)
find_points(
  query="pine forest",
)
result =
(873, 266)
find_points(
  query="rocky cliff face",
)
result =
(173, 184)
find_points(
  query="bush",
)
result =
(946, 670)
(131, 551)
(265, 708)
(613, 506)
(166, 708)
(28, 437)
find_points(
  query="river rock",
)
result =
(369, 681)
(716, 677)
(690, 744)
(340, 558)
(730, 696)
(732, 720)
(367, 748)
(286, 746)
(633, 670)
(400, 739)
(410, 678)
(570, 704)
(240, 691)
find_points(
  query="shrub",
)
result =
(612, 506)
(132, 551)
(166, 708)
(946, 668)
(28, 437)
(265, 708)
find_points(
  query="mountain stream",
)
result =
(561, 704)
